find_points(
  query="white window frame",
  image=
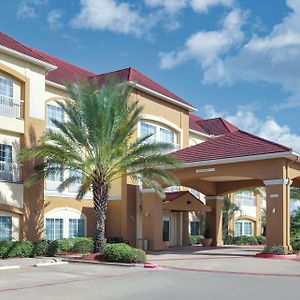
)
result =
(242, 222)
(53, 105)
(65, 213)
(158, 128)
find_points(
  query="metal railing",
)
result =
(11, 172)
(11, 107)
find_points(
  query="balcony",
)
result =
(12, 108)
(11, 172)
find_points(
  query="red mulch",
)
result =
(93, 257)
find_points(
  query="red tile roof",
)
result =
(216, 126)
(65, 72)
(230, 145)
(131, 74)
(12, 44)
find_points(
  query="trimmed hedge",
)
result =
(123, 253)
(245, 240)
(195, 239)
(296, 244)
(9, 249)
(275, 250)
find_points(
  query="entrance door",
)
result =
(166, 229)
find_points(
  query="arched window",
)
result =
(64, 223)
(159, 133)
(244, 227)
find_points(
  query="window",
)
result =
(5, 228)
(54, 229)
(76, 227)
(195, 227)
(245, 199)
(6, 87)
(146, 129)
(6, 172)
(57, 176)
(167, 136)
(159, 134)
(54, 113)
(243, 228)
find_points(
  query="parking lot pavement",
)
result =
(83, 281)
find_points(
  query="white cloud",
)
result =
(199, 6)
(268, 128)
(204, 5)
(207, 47)
(54, 19)
(274, 59)
(27, 9)
(108, 15)
(171, 6)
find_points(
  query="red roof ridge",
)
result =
(228, 125)
(33, 51)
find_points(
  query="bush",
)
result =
(275, 250)
(65, 245)
(123, 253)
(195, 239)
(53, 248)
(82, 245)
(18, 249)
(241, 240)
(296, 243)
(261, 239)
(115, 240)
(39, 248)
(4, 247)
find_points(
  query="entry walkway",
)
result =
(227, 259)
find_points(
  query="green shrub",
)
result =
(53, 248)
(82, 245)
(242, 240)
(39, 248)
(261, 239)
(65, 245)
(19, 249)
(123, 253)
(247, 240)
(195, 239)
(275, 250)
(4, 248)
(207, 234)
(115, 240)
(295, 242)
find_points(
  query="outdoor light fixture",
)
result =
(147, 214)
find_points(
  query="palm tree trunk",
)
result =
(100, 196)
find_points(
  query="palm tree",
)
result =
(229, 209)
(96, 145)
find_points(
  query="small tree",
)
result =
(96, 145)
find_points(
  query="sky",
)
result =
(238, 59)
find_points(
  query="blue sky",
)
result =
(239, 59)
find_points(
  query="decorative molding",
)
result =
(278, 181)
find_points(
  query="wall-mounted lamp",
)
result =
(147, 214)
(273, 210)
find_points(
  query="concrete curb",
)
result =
(10, 267)
(51, 264)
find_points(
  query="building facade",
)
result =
(30, 84)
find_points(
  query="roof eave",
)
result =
(291, 155)
(161, 96)
(56, 85)
(28, 58)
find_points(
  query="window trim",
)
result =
(242, 222)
